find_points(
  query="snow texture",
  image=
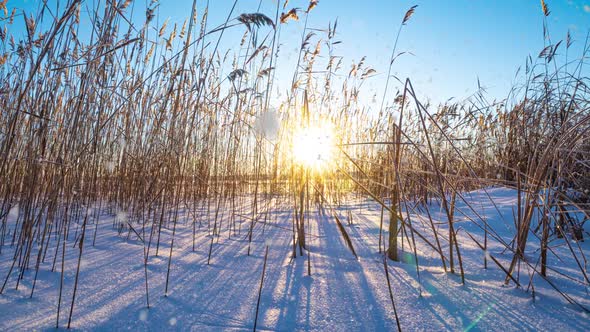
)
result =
(342, 293)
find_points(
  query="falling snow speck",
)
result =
(143, 315)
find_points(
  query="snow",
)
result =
(342, 293)
(267, 124)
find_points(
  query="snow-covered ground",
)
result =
(342, 294)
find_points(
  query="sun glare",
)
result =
(313, 146)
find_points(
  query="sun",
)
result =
(313, 146)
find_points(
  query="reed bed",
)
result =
(138, 120)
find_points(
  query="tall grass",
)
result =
(138, 120)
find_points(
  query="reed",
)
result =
(138, 121)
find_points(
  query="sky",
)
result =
(450, 44)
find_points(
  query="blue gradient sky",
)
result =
(453, 42)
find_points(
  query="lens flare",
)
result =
(313, 146)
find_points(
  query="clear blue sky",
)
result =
(453, 42)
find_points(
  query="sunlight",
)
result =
(313, 146)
